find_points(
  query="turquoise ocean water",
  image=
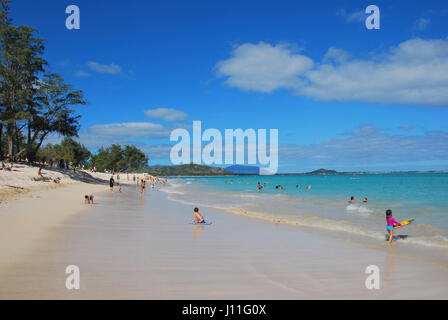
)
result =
(422, 196)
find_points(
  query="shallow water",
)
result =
(419, 196)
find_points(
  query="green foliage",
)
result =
(187, 170)
(33, 102)
(116, 158)
(69, 150)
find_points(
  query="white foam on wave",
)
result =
(206, 200)
(359, 209)
(173, 188)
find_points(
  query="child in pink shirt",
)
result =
(391, 223)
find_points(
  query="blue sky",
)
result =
(343, 97)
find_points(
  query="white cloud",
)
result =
(421, 23)
(355, 16)
(336, 55)
(405, 128)
(82, 74)
(104, 68)
(166, 114)
(105, 134)
(263, 67)
(367, 145)
(414, 72)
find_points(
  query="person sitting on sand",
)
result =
(40, 173)
(198, 218)
(88, 199)
(391, 223)
(352, 199)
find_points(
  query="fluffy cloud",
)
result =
(414, 72)
(104, 68)
(166, 114)
(367, 145)
(263, 67)
(356, 16)
(405, 128)
(421, 23)
(104, 134)
(82, 74)
(336, 55)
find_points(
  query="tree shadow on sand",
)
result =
(78, 175)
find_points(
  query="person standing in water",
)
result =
(142, 186)
(352, 199)
(111, 183)
(391, 223)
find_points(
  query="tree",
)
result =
(133, 159)
(68, 150)
(53, 113)
(117, 158)
(33, 103)
(72, 151)
(20, 63)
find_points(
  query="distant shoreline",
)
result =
(309, 174)
(356, 172)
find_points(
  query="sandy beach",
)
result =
(129, 247)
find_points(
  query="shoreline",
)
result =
(129, 247)
(318, 212)
(30, 217)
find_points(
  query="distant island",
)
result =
(187, 170)
(334, 172)
(191, 170)
(244, 170)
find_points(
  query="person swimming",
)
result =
(364, 200)
(198, 218)
(352, 199)
(391, 223)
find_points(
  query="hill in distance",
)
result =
(240, 169)
(323, 171)
(187, 170)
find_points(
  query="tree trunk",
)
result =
(10, 134)
(34, 152)
(29, 145)
(1, 141)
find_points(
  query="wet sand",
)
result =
(132, 248)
